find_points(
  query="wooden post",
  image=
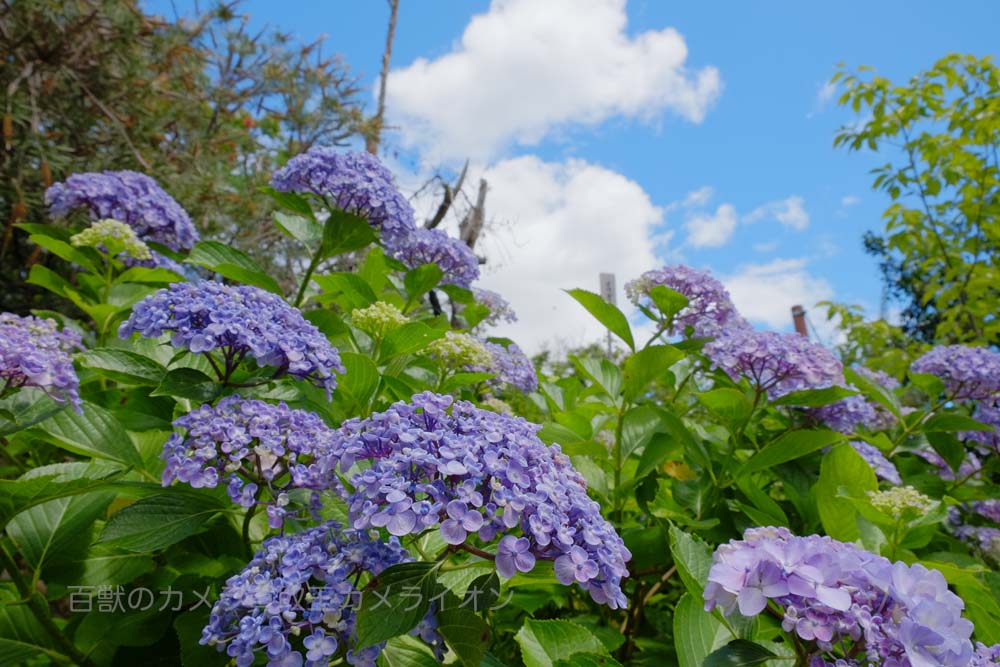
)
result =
(799, 320)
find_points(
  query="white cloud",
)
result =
(765, 293)
(826, 93)
(698, 197)
(790, 212)
(712, 230)
(766, 246)
(850, 200)
(567, 223)
(525, 68)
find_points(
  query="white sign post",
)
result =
(609, 294)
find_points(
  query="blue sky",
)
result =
(720, 157)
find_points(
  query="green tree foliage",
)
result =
(940, 133)
(206, 106)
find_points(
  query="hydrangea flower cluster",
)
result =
(883, 419)
(296, 600)
(476, 474)
(132, 198)
(107, 231)
(774, 363)
(873, 456)
(985, 655)
(970, 466)
(969, 373)
(433, 246)
(378, 319)
(499, 307)
(832, 593)
(458, 349)
(900, 500)
(239, 321)
(984, 538)
(34, 353)
(252, 446)
(709, 312)
(847, 414)
(511, 366)
(351, 181)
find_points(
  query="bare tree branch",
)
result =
(372, 141)
(448, 199)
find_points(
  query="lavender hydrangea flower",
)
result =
(836, 596)
(431, 467)
(238, 321)
(296, 601)
(512, 367)
(969, 373)
(433, 246)
(710, 310)
(130, 197)
(499, 307)
(847, 414)
(775, 363)
(987, 442)
(351, 181)
(985, 655)
(873, 456)
(252, 447)
(34, 353)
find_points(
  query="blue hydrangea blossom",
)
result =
(237, 321)
(296, 602)
(511, 366)
(34, 353)
(433, 246)
(260, 452)
(709, 312)
(500, 309)
(969, 373)
(477, 475)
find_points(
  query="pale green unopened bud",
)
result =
(898, 500)
(461, 349)
(103, 232)
(378, 319)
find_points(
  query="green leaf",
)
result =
(406, 651)
(739, 653)
(123, 366)
(55, 529)
(25, 408)
(730, 405)
(951, 423)
(467, 634)
(873, 391)
(693, 559)
(21, 635)
(663, 445)
(344, 232)
(361, 379)
(153, 276)
(104, 566)
(187, 383)
(647, 365)
(696, 632)
(788, 447)
(157, 521)
(951, 449)
(348, 289)
(289, 201)
(543, 643)
(668, 301)
(68, 252)
(842, 468)
(188, 627)
(231, 263)
(40, 485)
(638, 426)
(94, 433)
(605, 313)
(302, 228)
(43, 276)
(407, 339)
(814, 398)
(421, 280)
(396, 603)
(587, 660)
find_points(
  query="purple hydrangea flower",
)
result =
(252, 446)
(297, 600)
(34, 353)
(498, 306)
(436, 462)
(129, 197)
(985, 655)
(842, 599)
(433, 246)
(969, 373)
(511, 366)
(988, 442)
(709, 311)
(775, 363)
(873, 456)
(847, 414)
(883, 419)
(238, 321)
(351, 181)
